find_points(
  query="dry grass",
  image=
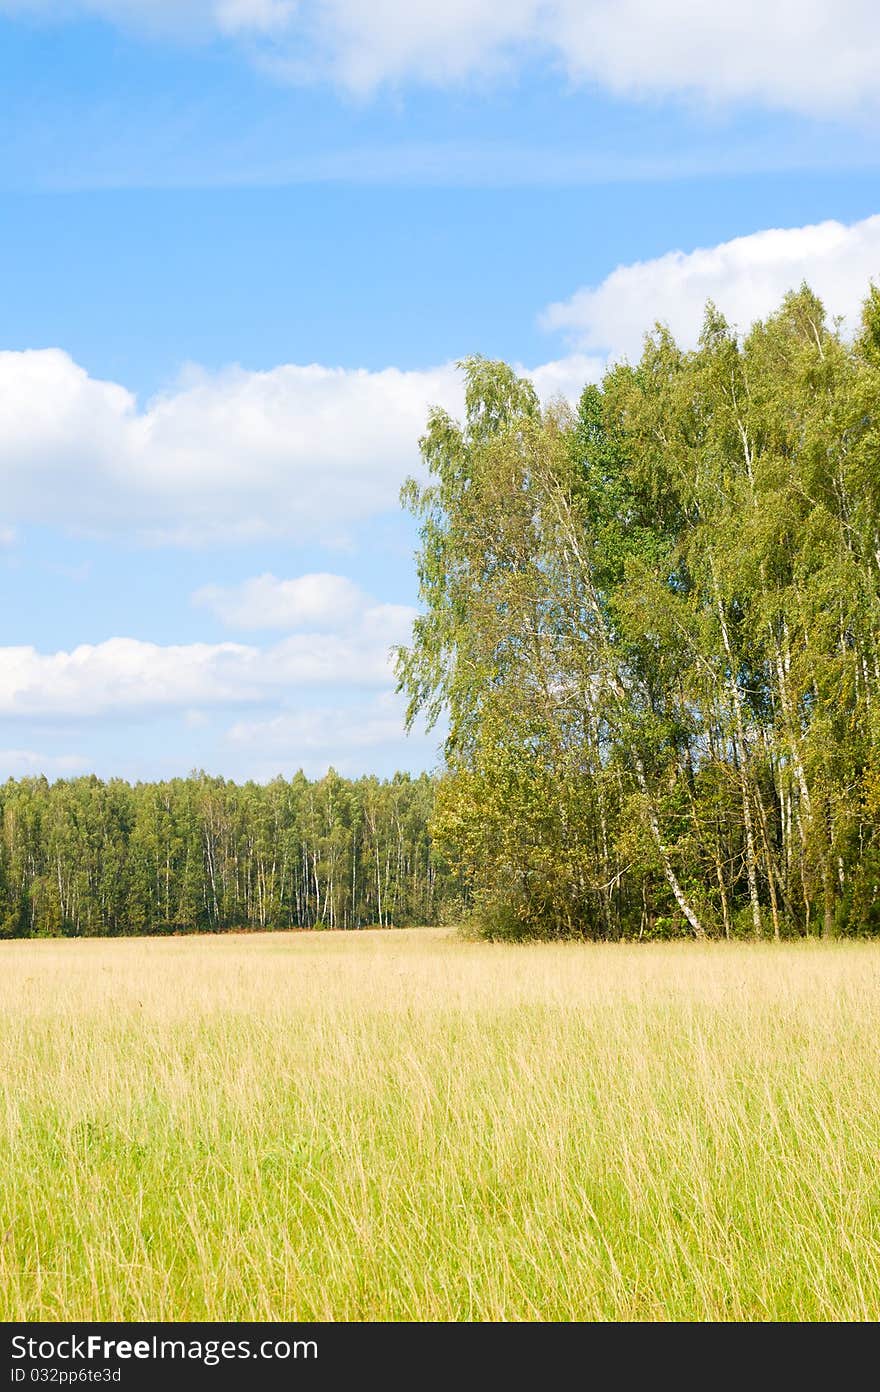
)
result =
(404, 1125)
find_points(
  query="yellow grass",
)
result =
(402, 1125)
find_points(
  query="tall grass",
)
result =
(406, 1126)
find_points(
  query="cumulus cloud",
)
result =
(803, 55)
(746, 278)
(267, 602)
(125, 675)
(252, 16)
(321, 695)
(305, 451)
(814, 56)
(565, 377)
(318, 697)
(311, 450)
(314, 451)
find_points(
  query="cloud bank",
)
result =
(267, 602)
(311, 451)
(237, 455)
(320, 696)
(746, 278)
(300, 451)
(809, 56)
(351, 650)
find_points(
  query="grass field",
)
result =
(404, 1125)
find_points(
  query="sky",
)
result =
(243, 244)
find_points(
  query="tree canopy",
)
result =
(81, 856)
(655, 624)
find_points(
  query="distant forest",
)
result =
(85, 857)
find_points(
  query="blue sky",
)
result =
(242, 244)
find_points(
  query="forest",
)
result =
(201, 854)
(654, 622)
(653, 625)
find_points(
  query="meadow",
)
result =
(406, 1125)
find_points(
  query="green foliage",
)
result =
(86, 858)
(655, 625)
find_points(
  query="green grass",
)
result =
(408, 1126)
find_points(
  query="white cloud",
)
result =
(565, 377)
(811, 56)
(253, 16)
(312, 451)
(320, 697)
(303, 451)
(815, 56)
(266, 602)
(438, 42)
(746, 278)
(21, 763)
(127, 675)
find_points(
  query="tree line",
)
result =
(654, 622)
(83, 856)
